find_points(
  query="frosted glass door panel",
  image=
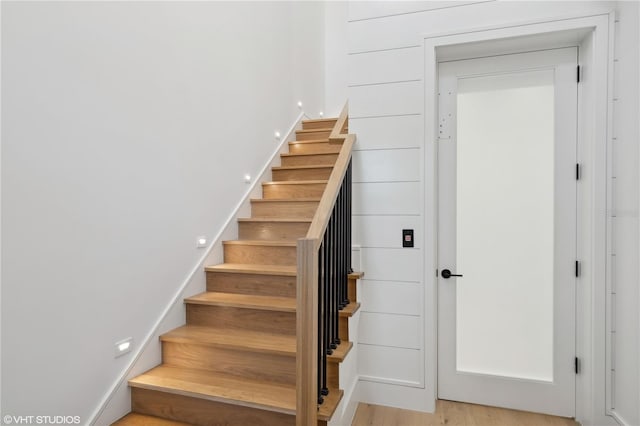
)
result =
(505, 225)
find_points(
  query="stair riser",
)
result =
(309, 160)
(272, 230)
(288, 209)
(201, 412)
(252, 365)
(317, 134)
(259, 285)
(333, 375)
(314, 148)
(352, 289)
(343, 329)
(302, 174)
(310, 125)
(261, 255)
(310, 190)
(224, 317)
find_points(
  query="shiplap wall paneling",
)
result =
(386, 99)
(392, 297)
(385, 66)
(386, 198)
(401, 331)
(384, 264)
(404, 131)
(407, 30)
(386, 231)
(360, 10)
(388, 165)
(389, 363)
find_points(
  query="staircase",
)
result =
(234, 361)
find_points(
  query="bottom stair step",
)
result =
(218, 387)
(176, 393)
(135, 419)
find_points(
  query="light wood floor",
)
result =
(453, 414)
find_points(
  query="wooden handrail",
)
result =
(337, 133)
(307, 281)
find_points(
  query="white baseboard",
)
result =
(393, 395)
(345, 411)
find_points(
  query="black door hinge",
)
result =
(577, 365)
(577, 171)
(578, 74)
(577, 268)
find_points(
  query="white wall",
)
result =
(335, 57)
(385, 69)
(128, 128)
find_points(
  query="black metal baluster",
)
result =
(349, 229)
(322, 371)
(343, 243)
(331, 309)
(336, 274)
(325, 248)
(338, 213)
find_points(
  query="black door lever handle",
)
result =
(447, 274)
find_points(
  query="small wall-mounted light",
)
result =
(321, 114)
(123, 346)
(299, 104)
(277, 135)
(247, 178)
(201, 242)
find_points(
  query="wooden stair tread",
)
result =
(325, 140)
(307, 167)
(306, 154)
(228, 389)
(276, 219)
(135, 419)
(219, 387)
(285, 200)
(350, 309)
(247, 340)
(340, 353)
(235, 339)
(317, 120)
(248, 301)
(356, 275)
(331, 401)
(325, 129)
(273, 243)
(242, 268)
(295, 182)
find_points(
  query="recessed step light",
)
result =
(123, 346)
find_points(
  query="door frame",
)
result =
(594, 37)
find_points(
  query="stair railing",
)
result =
(324, 262)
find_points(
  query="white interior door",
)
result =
(507, 225)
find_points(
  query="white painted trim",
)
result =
(347, 407)
(595, 251)
(619, 419)
(608, 394)
(198, 268)
(377, 379)
(1, 220)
